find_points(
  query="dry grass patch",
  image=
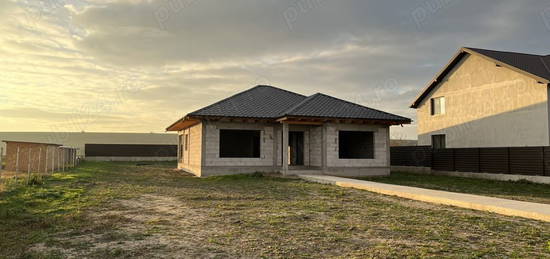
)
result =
(123, 210)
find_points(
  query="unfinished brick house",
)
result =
(267, 129)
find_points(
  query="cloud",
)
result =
(38, 114)
(141, 64)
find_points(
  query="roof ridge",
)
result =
(509, 52)
(545, 65)
(302, 102)
(241, 93)
(363, 106)
(281, 89)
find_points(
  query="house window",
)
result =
(438, 141)
(355, 144)
(437, 105)
(239, 143)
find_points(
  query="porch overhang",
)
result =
(183, 123)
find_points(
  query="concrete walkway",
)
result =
(524, 209)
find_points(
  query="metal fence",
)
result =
(130, 150)
(500, 160)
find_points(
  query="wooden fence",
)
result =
(501, 160)
(38, 157)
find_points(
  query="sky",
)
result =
(139, 65)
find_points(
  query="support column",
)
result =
(324, 148)
(284, 149)
(179, 148)
(276, 143)
(388, 147)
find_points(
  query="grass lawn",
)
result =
(522, 190)
(105, 210)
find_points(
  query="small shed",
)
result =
(37, 157)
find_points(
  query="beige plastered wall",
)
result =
(487, 106)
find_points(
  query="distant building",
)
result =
(486, 98)
(403, 142)
(79, 139)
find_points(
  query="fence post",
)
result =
(17, 162)
(46, 161)
(53, 159)
(39, 159)
(64, 155)
(58, 158)
(29, 166)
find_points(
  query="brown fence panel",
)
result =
(546, 158)
(526, 160)
(494, 160)
(130, 150)
(466, 159)
(411, 156)
(443, 159)
(501, 160)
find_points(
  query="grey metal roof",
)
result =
(535, 64)
(321, 105)
(262, 101)
(265, 101)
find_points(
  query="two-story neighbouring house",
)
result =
(486, 98)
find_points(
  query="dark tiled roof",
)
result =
(533, 64)
(321, 105)
(261, 101)
(270, 102)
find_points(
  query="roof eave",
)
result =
(183, 123)
(521, 71)
(431, 84)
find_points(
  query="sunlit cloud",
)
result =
(138, 65)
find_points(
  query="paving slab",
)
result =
(507, 207)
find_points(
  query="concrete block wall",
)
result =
(381, 146)
(202, 157)
(212, 145)
(316, 146)
(191, 159)
(278, 142)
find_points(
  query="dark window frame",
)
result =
(350, 147)
(248, 141)
(439, 141)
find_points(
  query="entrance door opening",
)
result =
(296, 148)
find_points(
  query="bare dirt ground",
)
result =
(105, 210)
